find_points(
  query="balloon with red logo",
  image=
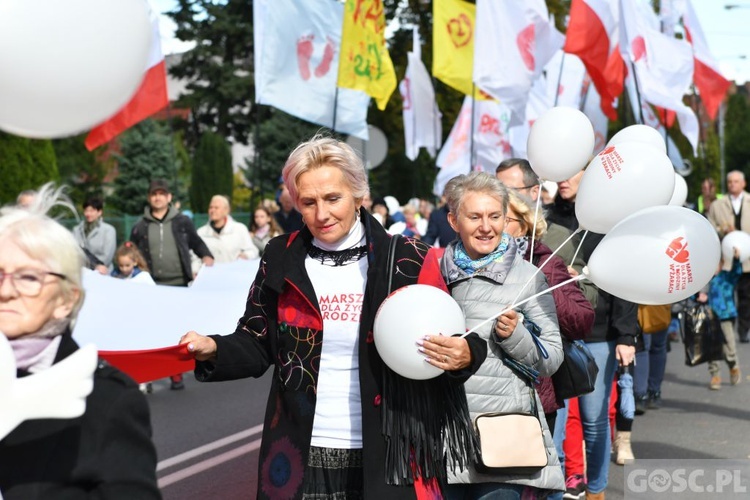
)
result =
(621, 180)
(640, 133)
(560, 143)
(658, 255)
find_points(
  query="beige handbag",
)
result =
(511, 443)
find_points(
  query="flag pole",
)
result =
(335, 108)
(559, 79)
(471, 142)
(638, 115)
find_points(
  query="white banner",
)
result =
(123, 315)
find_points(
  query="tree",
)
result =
(43, 162)
(145, 154)
(212, 171)
(276, 137)
(80, 169)
(15, 164)
(737, 130)
(219, 69)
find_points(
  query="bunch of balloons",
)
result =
(654, 250)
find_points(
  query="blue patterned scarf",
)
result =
(469, 266)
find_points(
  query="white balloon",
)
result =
(679, 195)
(621, 180)
(560, 143)
(69, 65)
(640, 133)
(407, 315)
(658, 255)
(738, 239)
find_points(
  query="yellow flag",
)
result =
(453, 43)
(365, 63)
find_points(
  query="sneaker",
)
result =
(654, 400)
(177, 385)
(715, 384)
(735, 376)
(575, 487)
(146, 388)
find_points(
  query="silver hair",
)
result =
(475, 182)
(46, 240)
(321, 151)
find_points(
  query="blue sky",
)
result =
(726, 31)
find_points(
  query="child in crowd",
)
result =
(720, 298)
(129, 262)
(263, 227)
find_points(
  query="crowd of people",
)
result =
(341, 420)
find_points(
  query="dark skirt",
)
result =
(333, 474)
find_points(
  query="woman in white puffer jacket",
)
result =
(485, 275)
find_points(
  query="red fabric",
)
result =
(152, 364)
(712, 87)
(150, 98)
(587, 38)
(430, 273)
(573, 444)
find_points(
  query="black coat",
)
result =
(282, 329)
(185, 236)
(105, 453)
(438, 228)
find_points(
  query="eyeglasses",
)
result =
(28, 282)
(511, 219)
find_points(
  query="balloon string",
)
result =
(539, 268)
(509, 308)
(536, 216)
(579, 244)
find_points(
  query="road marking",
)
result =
(196, 452)
(208, 464)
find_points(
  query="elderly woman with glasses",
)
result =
(105, 453)
(486, 275)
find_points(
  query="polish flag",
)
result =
(709, 80)
(514, 41)
(662, 65)
(150, 98)
(593, 35)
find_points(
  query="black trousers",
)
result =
(743, 305)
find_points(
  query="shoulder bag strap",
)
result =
(391, 260)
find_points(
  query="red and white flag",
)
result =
(150, 98)
(490, 144)
(514, 40)
(422, 126)
(663, 65)
(712, 86)
(652, 120)
(593, 36)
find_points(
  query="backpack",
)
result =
(654, 318)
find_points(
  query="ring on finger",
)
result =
(445, 358)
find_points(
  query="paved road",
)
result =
(208, 436)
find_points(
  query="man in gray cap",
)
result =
(165, 237)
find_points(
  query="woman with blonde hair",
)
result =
(105, 453)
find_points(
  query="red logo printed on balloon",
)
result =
(677, 250)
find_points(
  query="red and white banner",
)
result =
(663, 65)
(593, 36)
(422, 125)
(150, 98)
(490, 146)
(712, 86)
(514, 41)
(141, 339)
